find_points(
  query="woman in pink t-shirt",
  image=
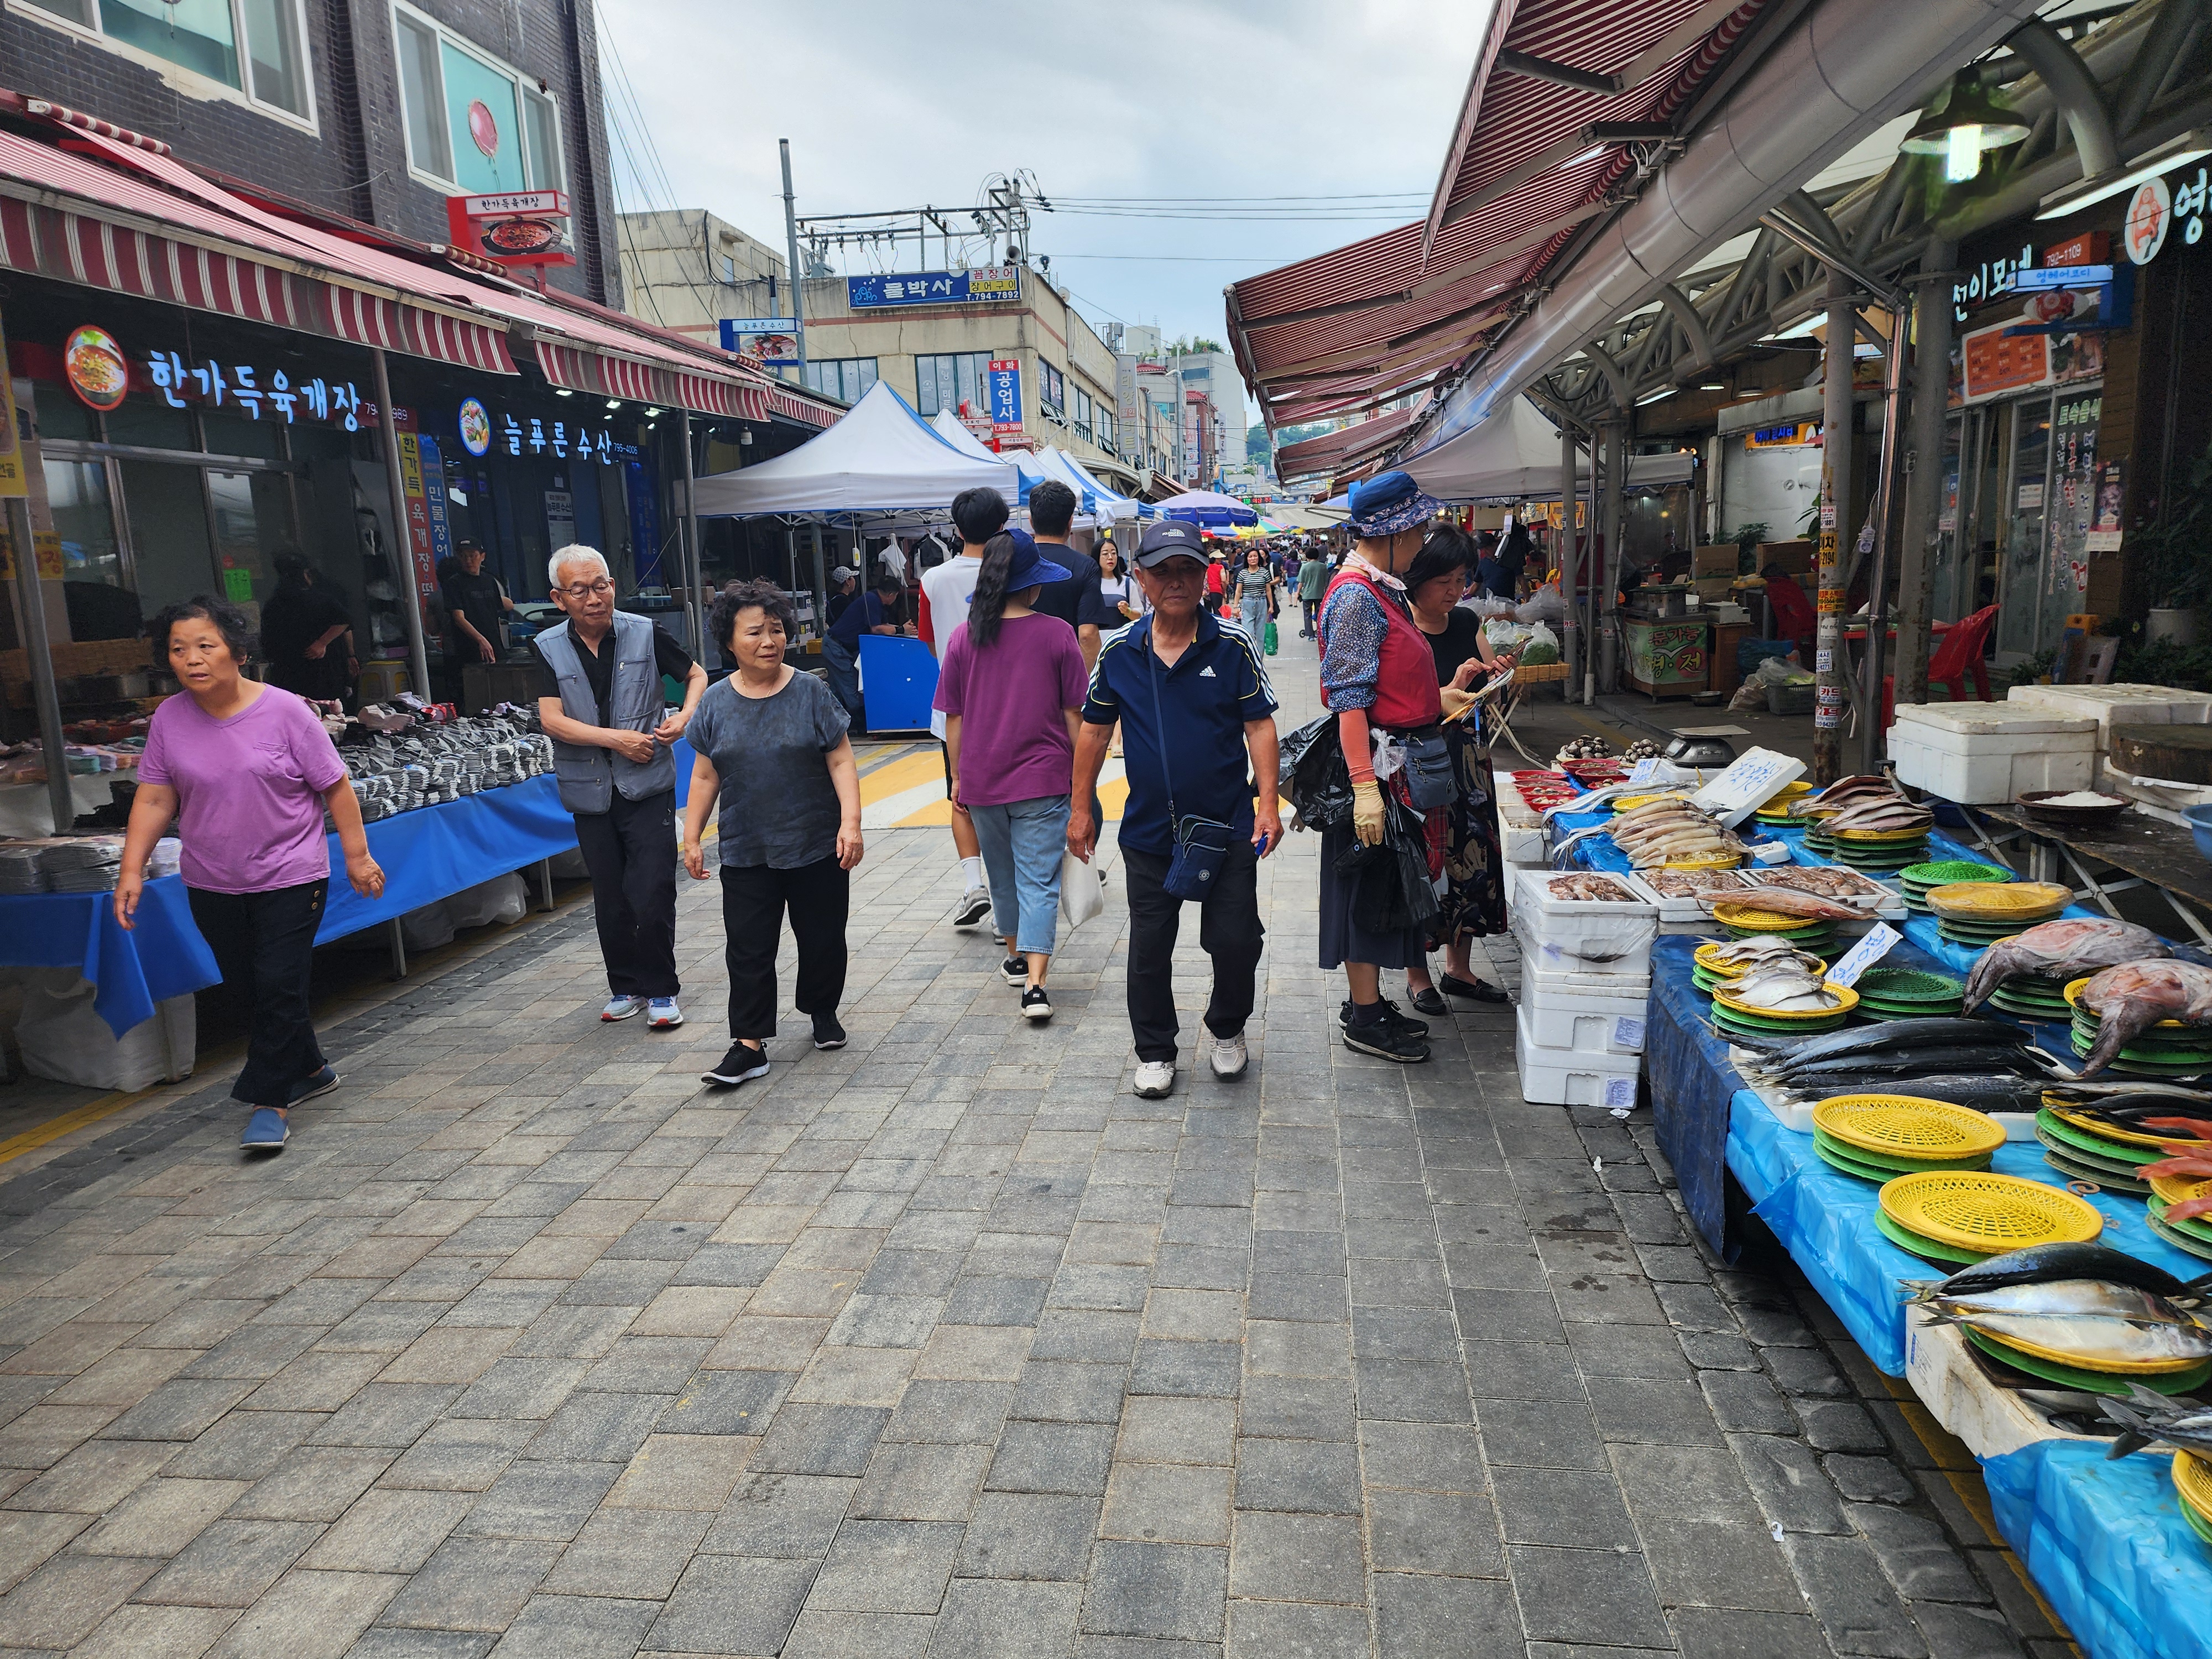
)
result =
(246, 769)
(1010, 688)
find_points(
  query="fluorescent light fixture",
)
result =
(1962, 152)
(652, 413)
(1655, 396)
(563, 392)
(614, 403)
(1711, 385)
(2191, 146)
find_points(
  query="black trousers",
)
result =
(630, 850)
(265, 944)
(1229, 930)
(754, 900)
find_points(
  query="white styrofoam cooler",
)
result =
(1580, 936)
(1572, 1077)
(1939, 1365)
(2124, 705)
(1587, 1012)
(1988, 753)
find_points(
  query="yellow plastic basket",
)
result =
(1975, 1210)
(2110, 1367)
(1848, 1000)
(2192, 1479)
(1715, 861)
(2179, 1189)
(2104, 1131)
(1999, 901)
(1752, 919)
(1906, 1125)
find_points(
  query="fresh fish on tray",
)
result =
(2149, 1416)
(1592, 889)
(2131, 998)
(2046, 1263)
(1788, 902)
(1783, 990)
(1825, 881)
(1688, 884)
(1744, 953)
(2064, 949)
(2093, 1324)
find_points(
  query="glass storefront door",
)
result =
(2020, 526)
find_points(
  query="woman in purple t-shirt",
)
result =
(246, 769)
(1011, 686)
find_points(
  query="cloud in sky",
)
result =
(895, 103)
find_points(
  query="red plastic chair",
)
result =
(1959, 655)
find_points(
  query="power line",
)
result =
(1366, 196)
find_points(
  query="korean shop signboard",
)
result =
(987, 285)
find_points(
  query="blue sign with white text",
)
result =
(1006, 396)
(734, 329)
(987, 285)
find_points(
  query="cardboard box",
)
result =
(1711, 589)
(1715, 559)
(1797, 557)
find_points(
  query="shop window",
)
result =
(841, 377)
(473, 125)
(255, 47)
(952, 379)
(1052, 391)
(1082, 413)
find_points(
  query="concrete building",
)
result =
(1215, 374)
(377, 112)
(687, 269)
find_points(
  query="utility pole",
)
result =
(790, 253)
(1828, 660)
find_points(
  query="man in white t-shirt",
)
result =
(978, 514)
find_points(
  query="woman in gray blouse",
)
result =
(776, 768)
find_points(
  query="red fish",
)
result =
(2131, 998)
(2189, 1164)
(2189, 1126)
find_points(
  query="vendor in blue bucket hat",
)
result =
(1378, 677)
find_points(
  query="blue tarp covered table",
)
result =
(428, 854)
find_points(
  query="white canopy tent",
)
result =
(881, 467)
(1112, 503)
(1514, 456)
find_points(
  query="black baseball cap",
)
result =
(1168, 538)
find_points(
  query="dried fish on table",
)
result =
(1783, 990)
(1824, 880)
(1592, 889)
(1787, 902)
(1686, 884)
(1744, 953)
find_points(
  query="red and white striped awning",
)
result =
(609, 374)
(793, 407)
(75, 221)
(1328, 452)
(1563, 93)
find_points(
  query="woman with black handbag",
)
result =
(1378, 678)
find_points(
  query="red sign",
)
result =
(2091, 247)
(1996, 363)
(523, 228)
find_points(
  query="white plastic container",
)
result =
(1593, 1016)
(1583, 936)
(1939, 1364)
(2125, 705)
(1537, 979)
(1572, 1077)
(1676, 910)
(1989, 753)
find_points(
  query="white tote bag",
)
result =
(1081, 896)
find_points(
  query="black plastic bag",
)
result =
(1311, 775)
(1394, 894)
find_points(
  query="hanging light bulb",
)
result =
(1962, 156)
(1972, 121)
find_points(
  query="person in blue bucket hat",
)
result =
(1378, 677)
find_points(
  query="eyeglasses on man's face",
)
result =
(588, 590)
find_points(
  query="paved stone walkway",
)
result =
(944, 1343)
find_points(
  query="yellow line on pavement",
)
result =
(891, 779)
(54, 1128)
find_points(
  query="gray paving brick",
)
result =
(887, 1566)
(1315, 1476)
(229, 1564)
(779, 1515)
(553, 1627)
(726, 1402)
(541, 1500)
(1068, 1458)
(1585, 1596)
(731, 1604)
(820, 1439)
(1168, 1591)
(988, 1619)
(1029, 1535)
(921, 1482)
(1205, 1370)
(1298, 1557)
(1417, 1616)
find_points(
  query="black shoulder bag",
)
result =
(1202, 844)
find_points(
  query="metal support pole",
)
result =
(1886, 494)
(1570, 563)
(403, 550)
(1616, 470)
(39, 660)
(1828, 664)
(821, 579)
(1923, 483)
(694, 560)
(790, 252)
(1594, 566)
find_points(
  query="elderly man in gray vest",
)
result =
(600, 699)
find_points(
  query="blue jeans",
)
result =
(844, 677)
(1022, 841)
(1254, 612)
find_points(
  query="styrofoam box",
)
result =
(1602, 1020)
(1575, 981)
(1672, 910)
(1938, 1364)
(2129, 705)
(1987, 753)
(1580, 936)
(1572, 1077)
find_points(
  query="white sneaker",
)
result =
(662, 1014)
(622, 1007)
(1155, 1079)
(1230, 1055)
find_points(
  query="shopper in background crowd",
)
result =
(1074, 598)
(1217, 583)
(1377, 675)
(1255, 592)
(867, 613)
(844, 588)
(775, 766)
(978, 514)
(600, 700)
(1011, 693)
(1120, 593)
(1514, 549)
(1313, 582)
(478, 606)
(307, 634)
(1474, 901)
(1197, 716)
(247, 771)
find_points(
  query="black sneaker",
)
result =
(974, 905)
(1420, 1028)
(741, 1065)
(1036, 1004)
(828, 1033)
(1015, 971)
(1387, 1041)
(1479, 990)
(1430, 1000)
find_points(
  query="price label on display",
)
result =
(1620, 1094)
(1863, 956)
(1627, 1033)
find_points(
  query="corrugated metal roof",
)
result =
(1353, 326)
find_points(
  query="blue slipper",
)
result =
(265, 1131)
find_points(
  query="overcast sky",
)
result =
(894, 103)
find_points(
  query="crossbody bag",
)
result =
(1202, 844)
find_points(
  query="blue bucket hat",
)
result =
(1388, 503)
(1031, 569)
